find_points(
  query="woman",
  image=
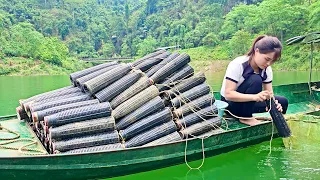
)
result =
(247, 75)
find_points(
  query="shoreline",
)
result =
(206, 66)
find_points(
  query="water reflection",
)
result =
(194, 174)
(247, 163)
(303, 154)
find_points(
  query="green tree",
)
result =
(281, 18)
(314, 20)
(210, 39)
(22, 40)
(52, 50)
(236, 20)
(239, 43)
(151, 6)
(108, 50)
(148, 45)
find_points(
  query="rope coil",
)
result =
(22, 148)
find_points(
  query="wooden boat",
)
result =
(14, 165)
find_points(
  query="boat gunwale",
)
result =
(5, 117)
(128, 149)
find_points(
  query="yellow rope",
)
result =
(272, 131)
(202, 138)
(194, 110)
(270, 142)
(23, 148)
(12, 132)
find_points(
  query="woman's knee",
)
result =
(251, 85)
(255, 79)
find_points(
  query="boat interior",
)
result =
(304, 98)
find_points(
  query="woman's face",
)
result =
(263, 60)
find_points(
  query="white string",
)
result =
(186, 145)
(194, 110)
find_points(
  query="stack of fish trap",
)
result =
(112, 106)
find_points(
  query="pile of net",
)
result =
(112, 106)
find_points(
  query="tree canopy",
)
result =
(52, 30)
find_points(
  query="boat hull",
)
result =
(140, 159)
(133, 160)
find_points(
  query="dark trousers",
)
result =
(252, 85)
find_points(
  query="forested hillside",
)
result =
(47, 36)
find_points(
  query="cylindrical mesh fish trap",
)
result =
(151, 135)
(45, 128)
(155, 68)
(202, 127)
(96, 84)
(171, 67)
(88, 127)
(38, 128)
(42, 106)
(195, 105)
(175, 136)
(46, 144)
(75, 91)
(87, 141)
(79, 114)
(146, 124)
(147, 57)
(103, 148)
(181, 74)
(114, 89)
(135, 102)
(185, 85)
(80, 81)
(149, 108)
(190, 95)
(39, 115)
(31, 104)
(137, 87)
(205, 113)
(78, 74)
(278, 119)
(148, 63)
(22, 102)
(21, 113)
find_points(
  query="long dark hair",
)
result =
(266, 44)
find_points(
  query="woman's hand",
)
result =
(261, 96)
(278, 106)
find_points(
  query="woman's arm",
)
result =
(232, 95)
(268, 87)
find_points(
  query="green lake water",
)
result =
(302, 161)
